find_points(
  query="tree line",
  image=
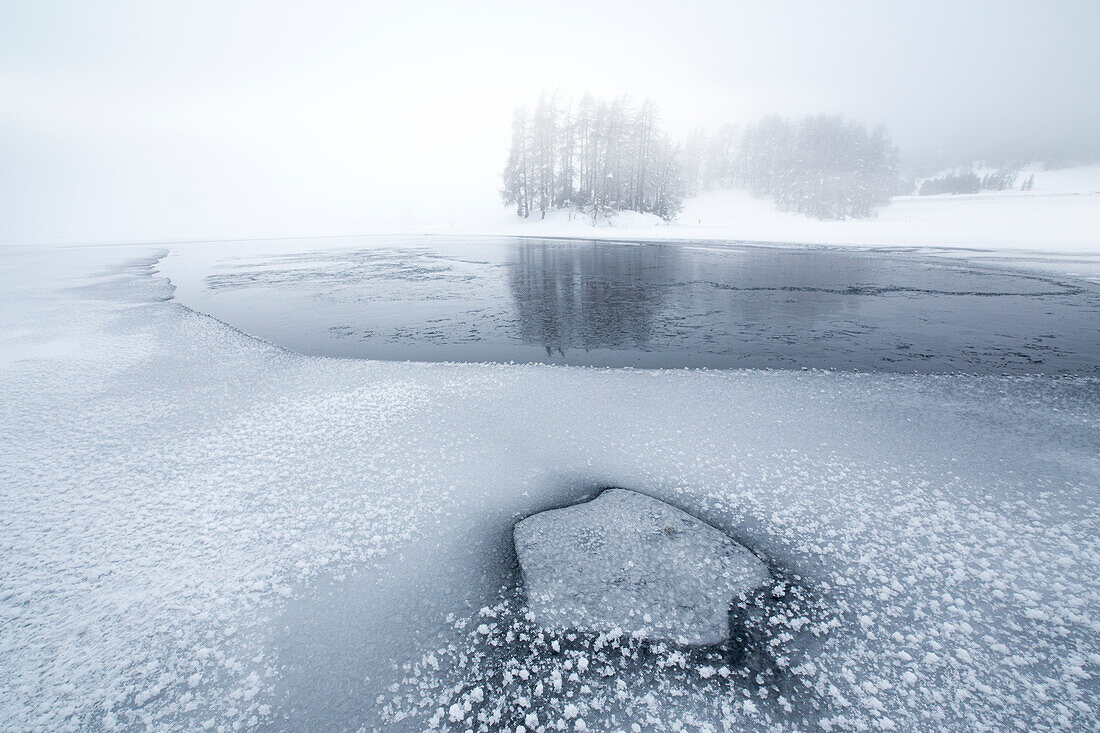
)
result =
(825, 166)
(602, 156)
(599, 157)
(1002, 179)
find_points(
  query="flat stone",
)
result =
(630, 562)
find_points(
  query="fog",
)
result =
(199, 120)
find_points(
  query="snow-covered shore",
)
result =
(176, 497)
(1060, 215)
(1021, 223)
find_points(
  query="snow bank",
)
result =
(1073, 181)
(1060, 215)
(573, 222)
(199, 530)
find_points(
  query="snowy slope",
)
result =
(1060, 215)
(199, 530)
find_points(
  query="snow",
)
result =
(200, 530)
(1000, 221)
(1061, 214)
(629, 562)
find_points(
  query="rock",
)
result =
(628, 561)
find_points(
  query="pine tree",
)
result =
(517, 183)
(602, 157)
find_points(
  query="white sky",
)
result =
(150, 121)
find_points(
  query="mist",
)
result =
(571, 366)
(132, 122)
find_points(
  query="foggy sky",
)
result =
(200, 120)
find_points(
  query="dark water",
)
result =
(658, 305)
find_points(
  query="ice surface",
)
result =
(629, 562)
(592, 303)
(198, 529)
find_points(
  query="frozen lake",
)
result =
(205, 531)
(501, 299)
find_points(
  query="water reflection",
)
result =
(695, 303)
(589, 296)
(656, 305)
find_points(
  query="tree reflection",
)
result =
(589, 295)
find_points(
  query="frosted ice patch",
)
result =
(628, 561)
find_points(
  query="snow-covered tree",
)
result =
(821, 165)
(603, 156)
(599, 157)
